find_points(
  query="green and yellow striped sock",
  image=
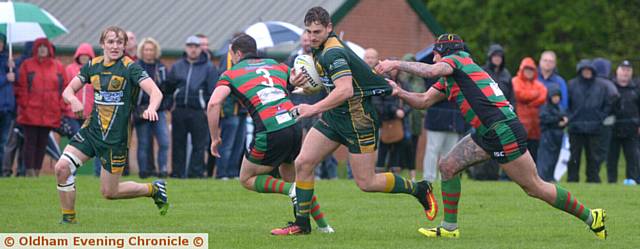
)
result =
(570, 204)
(398, 184)
(304, 193)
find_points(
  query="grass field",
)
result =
(492, 215)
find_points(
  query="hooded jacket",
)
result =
(85, 94)
(602, 69)
(7, 98)
(588, 102)
(158, 72)
(530, 95)
(39, 89)
(192, 83)
(500, 74)
(551, 114)
(627, 111)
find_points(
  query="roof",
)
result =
(171, 22)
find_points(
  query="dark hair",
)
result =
(245, 44)
(201, 35)
(317, 14)
(447, 44)
(120, 33)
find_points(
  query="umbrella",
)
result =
(357, 49)
(27, 22)
(272, 33)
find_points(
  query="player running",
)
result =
(116, 80)
(348, 118)
(261, 86)
(498, 133)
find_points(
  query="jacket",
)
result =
(500, 74)
(602, 69)
(530, 95)
(85, 94)
(7, 98)
(627, 111)
(39, 89)
(158, 73)
(588, 103)
(444, 115)
(551, 114)
(191, 83)
(555, 80)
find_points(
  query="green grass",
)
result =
(492, 215)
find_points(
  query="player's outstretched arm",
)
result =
(213, 116)
(421, 100)
(417, 68)
(69, 96)
(155, 97)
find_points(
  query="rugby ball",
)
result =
(305, 65)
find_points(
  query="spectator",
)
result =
(530, 95)
(588, 108)
(7, 98)
(39, 98)
(204, 44)
(149, 59)
(16, 137)
(191, 80)
(132, 46)
(553, 120)
(392, 154)
(549, 76)
(371, 57)
(602, 69)
(414, 120)
(626, 128)
(495, 67)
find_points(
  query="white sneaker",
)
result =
(327, 229)
(292, 191)
(629, 182)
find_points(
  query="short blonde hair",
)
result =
(149, 40)
(120, 33)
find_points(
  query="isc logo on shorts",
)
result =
(498, 154)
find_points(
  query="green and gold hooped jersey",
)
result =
(335, 60)
(115, 87)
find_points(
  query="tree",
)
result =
(573, 29)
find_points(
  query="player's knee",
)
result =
(108, 194)
(303, 163)
(62, 170)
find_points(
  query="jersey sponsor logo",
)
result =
(282, 115)
(338, 63)
(109, 98)
(326, 81)
(270, 94)
(496, 89)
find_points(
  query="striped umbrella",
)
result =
(26, 22)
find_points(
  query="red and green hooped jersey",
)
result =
(261, 86)
(479, 98)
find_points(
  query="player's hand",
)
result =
(400, 113)
(394, 87)
(78, 109)
(296, 79)
(386, 65)
(11, 77)
(303, 111)
(215, 142)
(150, 115)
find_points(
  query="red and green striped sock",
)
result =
(570, 204)
(398, 184)
(316, 214)
(269, 184)
(450, 198)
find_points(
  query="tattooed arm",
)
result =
(418, 100)
(418, 68)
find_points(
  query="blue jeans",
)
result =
(328, 168)
(159, 130)
(229, 127)
(6, 123)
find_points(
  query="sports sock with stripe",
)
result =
(570, 204)
(450, 198)
(398, 184)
